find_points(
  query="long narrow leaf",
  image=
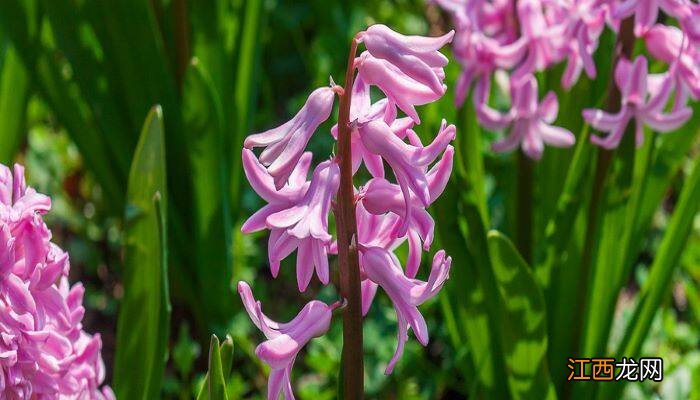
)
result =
(665, 263)
(214, 387)
(245, 93)
(144, 315)
(203, 119)
(20, 20)
(14, 91)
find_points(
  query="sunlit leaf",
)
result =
(144, 314)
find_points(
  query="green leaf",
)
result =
(203, 122)
(245, 94)
(472, 292)
(559, 227)
(144, 315)
(227, 356)
(524, 321)
(616, 205)
(20, 20)
(89, 75)
(658, 283)
(14, 91)
(214, 387)
(464, 238)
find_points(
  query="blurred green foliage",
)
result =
(78, 78)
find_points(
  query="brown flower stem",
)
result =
(624, 48)
(524, 194)
(346, 226)
(524, 190)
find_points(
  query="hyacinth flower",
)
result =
(585, 23)
(405, 159)
(543, 40)
(285, 144)
(646, 12)
(362, 110)
(667, 44)
(416, 56)
(399, 88)
(383, 268)
(484, 41)
(304, 226)
(379, 197)
(285, 340)
(638, 103)
(408, 70)
(44, 353)
(263, 184)
(530, 122)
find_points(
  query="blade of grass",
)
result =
(20, 22)
(88, 73)
(144, 314)
(247, 60)
(661, 273)
(214, 387)
(464, 239)
(14, 94)
(471, 295)
(666, 162)
(604, 258)
(203, 120)
(618, 250)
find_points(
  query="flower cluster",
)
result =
(519, 38)
(409, 71)
(44, 353)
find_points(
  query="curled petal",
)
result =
(382, 267)
(416, 56)
(368, 289)
(285, 144)
(285, 340)
(401, 89)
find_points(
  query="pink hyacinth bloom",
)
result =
(666, 43)
(363, 110)
(285, 340)
(530, 123)
(304, 226)
(374, 230)
(44, 353)
(263, 184)
(409, 71)
(543, 40)
(383, 268)
(379, 196)
(585, 21)
(632, 80)
(485, 40)
(646, 12)
(399, 88)
(487, 57)
(407, 161)
(285, 144)
(416, 56)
